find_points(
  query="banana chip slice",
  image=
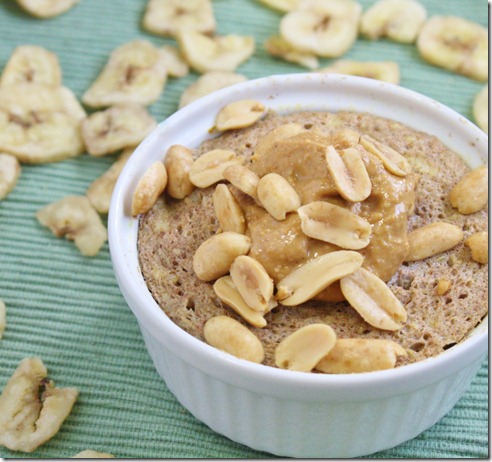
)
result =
(219, 53)
(398, 20)
(101, 189)
(455, 44)
(39, 123)
(387, 71)
(481, 109)
(118, 127)
(175, 63)
(46, 8)
(32, 409)
(277, 46)
(165, 17)
(323, 27)
(10, 170)
(281, 5)
(29, 63)
(135, 73)
(208, 83)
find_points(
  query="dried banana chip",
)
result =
(90, 454)
(456, 44)
(208, 83)
(281, 5)
(32, 410)
(101, 189)
(218, 53)
(398, 20)
(135, 73)
(118, 127)
(75, 218)
(10, 170)
(3, 318)
(175, 64)
(47, 8)
(29, 63)
(39, 123)
(165, 17)
(481, 109)
(386, 71)
(277, 46)
(323, 27)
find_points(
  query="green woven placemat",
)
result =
(67, 308)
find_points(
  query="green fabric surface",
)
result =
(67, 308)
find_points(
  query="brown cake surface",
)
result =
(172, 230)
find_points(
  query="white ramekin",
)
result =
(282, 412)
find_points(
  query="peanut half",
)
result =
(349, 173)
(392, 160)
(149, 188)
(350, 355)
(178, 162)
(227, 210)
(336, 225)
(231, 336)
(303, 349)
(471, 193)
(373, 300)
(215, 256)
(226, 290)
(253, 282)
(432, 239)
(314, 276)
(209, 167)
(239, 114)
(277, 196)
(479, 246)
(242, 178)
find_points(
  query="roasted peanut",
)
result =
(239, 114)
(312, 277)
(149, 188)
(215, 256)
(231, 336)
(351, 355)
(227, 210)
(226, 290)
(253, 282)
(442, 286)
(479, 246)
(277, 196)
(336, 225)
(208, 168)
(373, 300)
(349, 173)
(392, 160)
(242, 178)
(178, 162)
(432, 239)
(471, 193)
(303, 349)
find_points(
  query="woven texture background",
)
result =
(67, 308)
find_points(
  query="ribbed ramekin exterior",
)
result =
(306, 429)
